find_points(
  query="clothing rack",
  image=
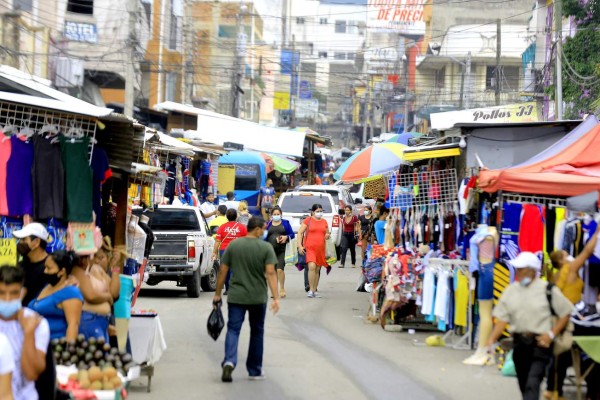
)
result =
(525, 199)
(465, 341)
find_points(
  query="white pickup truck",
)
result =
(182, 249)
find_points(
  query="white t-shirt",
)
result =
(207, 208)
(24, 389)
(232, 204)
(7, 361)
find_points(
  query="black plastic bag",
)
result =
(215, 322)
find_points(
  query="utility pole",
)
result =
(366, 110)
(558, 29)
(468, 81)
(292, 91)
(497, 74)
(130, 67)
(187, 57)
(236, 78)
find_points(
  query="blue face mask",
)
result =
(525, 281)
(9, 308)
(276, 218)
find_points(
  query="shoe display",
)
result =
(227, 371)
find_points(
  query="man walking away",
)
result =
(231, 202)
(526, 307)
(266, 199)
(252, 262)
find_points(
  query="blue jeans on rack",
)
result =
(235, 319)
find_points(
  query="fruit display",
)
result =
(95, 379)
(86, 354)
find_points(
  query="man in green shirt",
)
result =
(252, 262)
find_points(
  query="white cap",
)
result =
(34, 229)
(527, 259)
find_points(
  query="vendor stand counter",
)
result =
(590, 345)
(147, 342)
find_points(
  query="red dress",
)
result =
(314, 242)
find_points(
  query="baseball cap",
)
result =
(34, 229)
(527, 259)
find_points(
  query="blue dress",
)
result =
(48, 308)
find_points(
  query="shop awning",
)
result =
(74, 106)
(427, 152)
(171, 144)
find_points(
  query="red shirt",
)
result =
(349, 227)
(230, 231)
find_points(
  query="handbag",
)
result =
(291, 252)
(330, 253)
(302, 257)
(563, 341)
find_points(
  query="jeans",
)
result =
(94, 325)
(235, 319)
(531, 362)
(557, 372)
(221, 252)
(348, 242)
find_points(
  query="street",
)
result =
(314, 349)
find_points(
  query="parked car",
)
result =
(341, 195)
(296, 206)
(356, 191)
(182, 249)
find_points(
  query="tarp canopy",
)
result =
(218, 128)
(570, 167)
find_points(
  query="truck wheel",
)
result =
(193, 286)
(209, 282)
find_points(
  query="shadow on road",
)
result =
(162, 292)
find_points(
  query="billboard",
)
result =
(399, 16)
(522, 112)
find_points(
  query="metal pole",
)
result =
(558, 29)
(236, 79)
(497, 74)
(468, 81)
(292, 91)
(366, 112)
(130, 67)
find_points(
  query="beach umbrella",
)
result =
(376, 159)
(403, 138)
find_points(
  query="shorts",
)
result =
(485, 283)
(94, 325)
(267, 206)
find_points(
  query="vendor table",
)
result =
(590, 346)
(147, 342)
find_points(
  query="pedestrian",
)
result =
(243, 214)
(379, 225)
(526, 307)
(571, 285)
(351, 229)
(301, 182)
(231, 203)
(28, 334)
(7, 367)
(60, 302)
(252, 262)
(366, 229)
(279, 232)
(220, 218)
(227, 233)
(32, 243)
(266, 198)
(313, 232)
(208, 208)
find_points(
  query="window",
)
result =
(353, 27)
(440, 78)
(311, 48)
(247, 177)
(509, 78)
(323, 21)
(81, 6)
(340, 26)
(147, 7)
(174, 29)
(339, 56)
(303, 204)
(170, 86)
(23, 5)
(351, 56)
(164, 219)
(300, 20)
(322, 54)
(490, 78)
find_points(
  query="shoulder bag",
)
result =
(564, 340)
(302, 257)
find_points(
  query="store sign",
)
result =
(400, 16)
(8, 252)
(304, 91)
(307, 108)
(381, 54)
(523, 112)
(281, 101)
(81, 32)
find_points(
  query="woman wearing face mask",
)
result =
(569, 282)
(366, 227)
(59, 302)
(525, 306)
(313, 233)
(351, 227)
(278, 233)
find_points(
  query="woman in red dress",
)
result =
(313, 232)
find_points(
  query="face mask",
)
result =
(570, 259)
(276, 218)
(23, 248)
(367, 212)
(52, 279)
(9, 308)
(318, 214)
(525, 281)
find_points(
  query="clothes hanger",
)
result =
(10, 126)
(49, 127)
(26, 130)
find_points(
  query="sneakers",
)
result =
(260, 377)
(316, 295)
(341, 266)
(307, 288)
(310, 294)
(227, 371)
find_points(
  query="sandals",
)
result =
(282, 294)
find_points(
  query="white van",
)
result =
(296, 206)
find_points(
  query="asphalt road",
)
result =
(314, 349)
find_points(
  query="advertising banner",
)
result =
(399, 16)
(522, 112)
(281, 101)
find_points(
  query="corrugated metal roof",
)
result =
(71, 107)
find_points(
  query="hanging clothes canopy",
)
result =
(376, 159)
(569, 167)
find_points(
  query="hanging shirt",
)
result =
(19, 187)
(428, 292)
(531, 237)
(509, 231)
(101, 172)
(462, 200)
(205, 168)
(5, 148)
(78, 178)
(48, 179)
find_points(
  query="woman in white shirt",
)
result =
(7, 366)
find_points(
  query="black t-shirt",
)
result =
(34, 278)
(273, 233)
(366, 225)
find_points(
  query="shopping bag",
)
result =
(508, 369)
(291, 252)
(215, 322)
(330, 253)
